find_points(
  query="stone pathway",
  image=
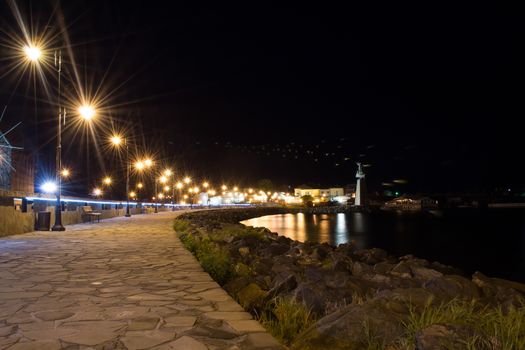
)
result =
(124, 283)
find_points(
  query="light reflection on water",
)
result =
(463, 238)
(333, 229)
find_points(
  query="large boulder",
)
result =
(442, 337)
(251, 297)
(348, 328)
(500, 291)
(452, 286)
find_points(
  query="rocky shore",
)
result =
(352, 299)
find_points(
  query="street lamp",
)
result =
(107, 181)
(117, 140)
(33, 54)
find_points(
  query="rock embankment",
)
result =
(361, 298)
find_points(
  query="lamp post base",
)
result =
(127, 215)
(58, 228)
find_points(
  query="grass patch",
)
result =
(189, 242)
(215, 260)
(492, 327)
(240, 231)
(286, 318)
(181, 226)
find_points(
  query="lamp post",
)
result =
(163, 179)
(141, 165)
(117, 140)
(156, 209)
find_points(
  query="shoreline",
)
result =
(342, 287)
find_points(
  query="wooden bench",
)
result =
(89, 212)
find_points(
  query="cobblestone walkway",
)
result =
(119, 284)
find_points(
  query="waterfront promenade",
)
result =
(123, 283)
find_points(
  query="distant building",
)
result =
(17, 168)
(319, 193)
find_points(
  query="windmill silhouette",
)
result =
(6, 167)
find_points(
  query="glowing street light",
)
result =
(168, 172)
(107, 180)
(116, 140)
(166, 188)
(97, 192)
(65, 172)
(49, 187)
(32, 53)
(224, 187)
(139, 165)
(235, 189)
(205, 185)
(179, 185)
(163, 179)
(87, 112)
(132, 194)
(148, 162)
(187, 180)
(140, 185)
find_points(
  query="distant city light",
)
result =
(163, 179)
(65, 172)
(148, 162)
(187, 180)
(140, 185)
(139, 165)
(49, 187)
(97, 191)
(168, 172)
(107, 180)
(179, 185)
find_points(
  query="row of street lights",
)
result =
(86, 111)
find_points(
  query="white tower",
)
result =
(361, 199)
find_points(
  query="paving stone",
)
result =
(183, 343)
(226, 315)
(181, 321)
(5, 331)
(40, 345)
(143, 324)
(245, 326)
(53, 315)
(261, 341)
(145, 339)
(228, 305)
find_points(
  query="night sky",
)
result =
(426, 93)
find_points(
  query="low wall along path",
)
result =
(124, 283)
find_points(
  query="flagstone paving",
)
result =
(123, 283)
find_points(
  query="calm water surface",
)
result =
(491, 241)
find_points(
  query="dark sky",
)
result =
(427, 93)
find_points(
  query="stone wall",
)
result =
(13, 222)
